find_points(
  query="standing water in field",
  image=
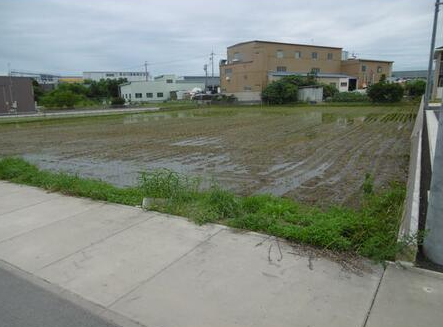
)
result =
(312, 154)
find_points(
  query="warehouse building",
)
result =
(251, 66)
(130, 76)
(165, 87)
(16, 95)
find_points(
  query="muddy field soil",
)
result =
(312, 154)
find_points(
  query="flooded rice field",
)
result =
(312, 154)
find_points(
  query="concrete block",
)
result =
(239, 280)
(108, 270)
(42, 246)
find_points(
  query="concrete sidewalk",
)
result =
(136, 267)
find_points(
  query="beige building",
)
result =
(250, 66)
(367, 71)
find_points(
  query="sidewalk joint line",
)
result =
(50, 224)
(373, 298)
(96, 242)
(28, 206)
(140, 284)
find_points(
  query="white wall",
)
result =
(159, 85)
(130, 76)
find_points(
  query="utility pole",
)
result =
(146, 70)
(11, 103)
(212, 68)
(433, 240)
(429, 83)
(205, 68)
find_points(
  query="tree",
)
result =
(383, 92)
(285, 90)
(415, 88)
(61, 98)
(118, 101)
(280, 92)
(38, 92)
(105, 88)
(329, 91)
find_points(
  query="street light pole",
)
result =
(429, 83)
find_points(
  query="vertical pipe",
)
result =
(429, 84)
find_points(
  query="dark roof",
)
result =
(197, 77)
(271, 42)
(324, 75)
(371, 60)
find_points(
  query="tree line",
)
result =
(88, 93)
(285, 90)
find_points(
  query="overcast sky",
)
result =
(176, 36)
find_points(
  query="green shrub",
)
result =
(350, 97)
(62, 98)
(280, 92)
(285, 90)
(117, 101)
(415, 88)
(385, 92)
(329, 91)
(164, 183)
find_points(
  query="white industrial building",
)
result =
(165, 87)
(130, 76)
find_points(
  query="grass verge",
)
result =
(370, 231)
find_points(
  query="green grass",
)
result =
(370, 231)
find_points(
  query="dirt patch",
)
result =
(313, 154)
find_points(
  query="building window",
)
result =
(314, 55)
(228, 71)
(109, 75)
(245, 76)
(160, 95)
(169, 81)
(363, 68)
(237, 56)
(280, 54)
(149, 95)
(247, 88)
(281, 68)
(379, 69)
(330, 56)
(344, 84)
(297, 54)
(138, 95)
(315, 70)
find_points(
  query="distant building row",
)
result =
(167, 87)
(251, 66)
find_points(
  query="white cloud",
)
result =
(65, 36)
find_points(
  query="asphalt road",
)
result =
(23, 304)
